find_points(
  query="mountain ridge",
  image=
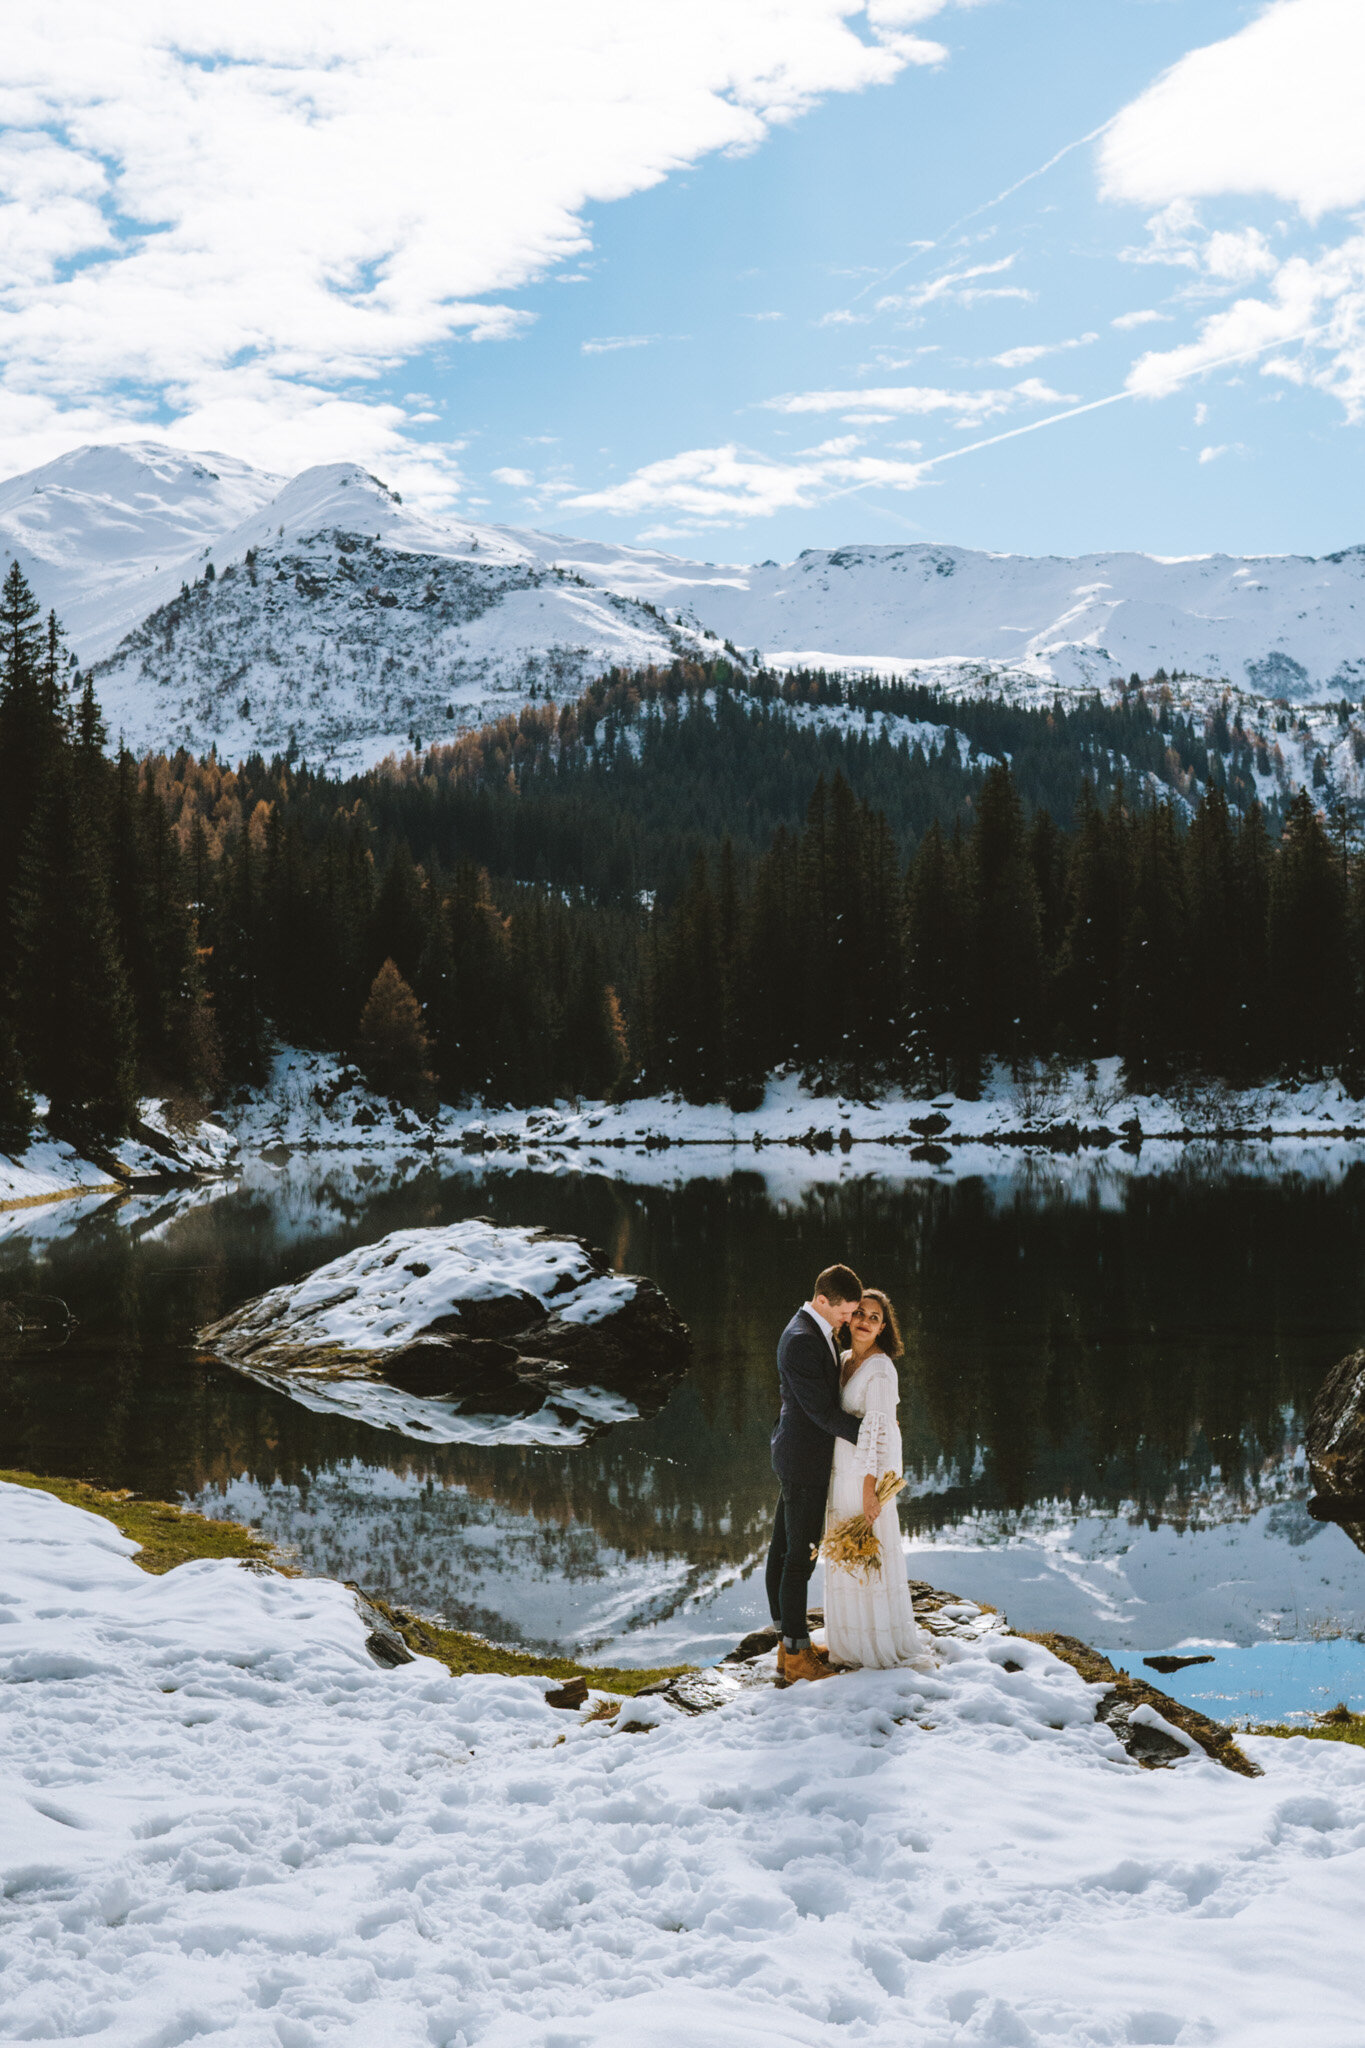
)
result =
(348, 622)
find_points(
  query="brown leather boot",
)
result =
(804, 1664)
(781, 1662)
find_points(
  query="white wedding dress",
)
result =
(870, 1621)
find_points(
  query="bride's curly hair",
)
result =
(890, 1341)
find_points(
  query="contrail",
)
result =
(1245, 355)
(985, 207)
(1031, 427)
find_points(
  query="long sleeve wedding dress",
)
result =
(870, 1621)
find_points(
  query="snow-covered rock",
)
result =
(219, 1815)
(469, 1332)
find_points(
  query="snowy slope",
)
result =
(363, 623)
(93, 529)
(342, 620)
(1287, 625)
(219, 1817)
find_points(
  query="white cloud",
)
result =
(717, 486)
(237, 215)
(762, 316)
(1238, 257)
(1201, 413)
(950, 287)
(889, 401)
(516, 479)
(1015, 358)
(1316, 308)
(1143, 318)
(1212, 454)
(607, 344)
(1273, 109)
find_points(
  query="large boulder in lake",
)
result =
(471, 1332)
(1336, 1446)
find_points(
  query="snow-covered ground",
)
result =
(222, 1819)
(314, 1101)
(160, 1149)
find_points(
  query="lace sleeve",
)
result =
(880, 1411)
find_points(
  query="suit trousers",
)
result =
(799, 1525)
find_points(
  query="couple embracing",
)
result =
(834, 1439)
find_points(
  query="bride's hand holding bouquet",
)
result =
(852, 1543)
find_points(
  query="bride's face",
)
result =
(866, 1322)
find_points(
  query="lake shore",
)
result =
(316, 1102)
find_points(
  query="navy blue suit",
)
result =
(803, 1451)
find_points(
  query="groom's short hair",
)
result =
(838, 1283)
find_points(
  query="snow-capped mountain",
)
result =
(222, 604)
(338, 620)
(95, 529)
(1283, 625)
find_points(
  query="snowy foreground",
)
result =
(222, 1819)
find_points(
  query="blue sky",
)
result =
(729, 281)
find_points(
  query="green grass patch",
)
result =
(169, 1535)
(1338, 1724)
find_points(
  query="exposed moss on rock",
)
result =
(169, 1535)
(1126, 1692)
(461, 1653)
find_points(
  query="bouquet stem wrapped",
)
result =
(851, 1544)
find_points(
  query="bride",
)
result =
(872, 1620)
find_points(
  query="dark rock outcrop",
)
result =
(1336, 1447)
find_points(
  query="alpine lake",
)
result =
(1109, 1361)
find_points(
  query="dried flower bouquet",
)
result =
(852, 1544)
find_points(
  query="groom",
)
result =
(803, 1451)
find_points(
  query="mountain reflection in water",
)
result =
(1098, 1369)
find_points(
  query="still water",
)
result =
(1107, 1366)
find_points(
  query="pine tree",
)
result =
(16, 1100)
(1099, 909)
(398, 919)
(1215, 989)
(1008, 948)
(30, 730)
(1153, 1033)
(1308, 967)
(941, 1036)
(394, 1050)
(1250, 1054)
(74, 1017)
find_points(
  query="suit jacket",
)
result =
(811, 1418)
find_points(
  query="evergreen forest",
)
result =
(687, 880)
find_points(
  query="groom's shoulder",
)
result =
(802, 1324)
